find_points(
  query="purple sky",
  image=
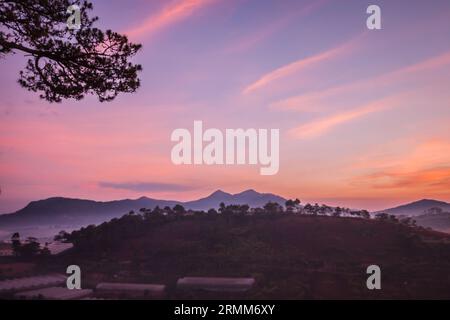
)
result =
(363, 115)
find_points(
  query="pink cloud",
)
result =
(311, 102)
(169, 15)
(300, 64)
(321, 126)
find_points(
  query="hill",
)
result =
(292, 256)
(418, 207)
(438, 221)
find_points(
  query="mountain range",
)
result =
(59, 213)
(68, 211)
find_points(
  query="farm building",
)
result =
(216, 284)
(130, 290)
(31, 283)
(54, 293)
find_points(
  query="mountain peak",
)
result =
(249, 197)
(248, 192)
(429, 201)
(219, 193)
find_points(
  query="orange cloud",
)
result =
(310, 102)
(431, 153)
(300, 64)
(422, 171)
(430, 178)
(170, 14)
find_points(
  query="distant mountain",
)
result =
(438, 221)
(418, 207)
(250, 197)
(66, 211)
(59, 210)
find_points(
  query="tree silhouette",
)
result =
(337, 212)
(243, 209)
(222, 207)
(308, 209)
(292, 205)
(179, 209)
(365, 214)
(289, 204)
(273, 207)
(30, 248)
(212, 211)
(66, 63)
(15, 243)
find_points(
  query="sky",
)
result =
(363, 114)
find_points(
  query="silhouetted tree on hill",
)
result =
(243, 209)
(365, 214)
(221, 207)
(212, 211)
(337, 212)
(27, 249)
(30, 248)
(273, 207)
(308, 209)
(15, 241)
(179, 209)
(292, 205)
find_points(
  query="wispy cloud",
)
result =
(300, 64)
(146, 186)
(311, 101)
(321, 126)
(170, 14)
(250, 40)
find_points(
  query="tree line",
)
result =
(134, 224)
